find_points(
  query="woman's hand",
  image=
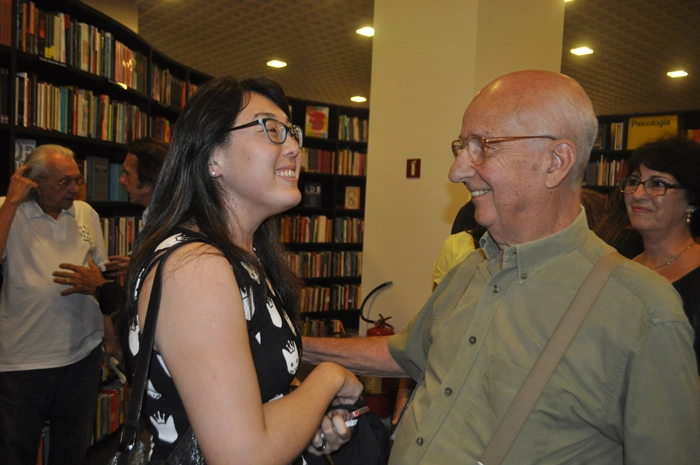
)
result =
(332, 434)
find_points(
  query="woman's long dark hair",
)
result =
(186, 194)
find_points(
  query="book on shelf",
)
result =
(22, 148)
(644, 129)
(352, 197)
(311, 196)
(617, 133)
(97, 174)
(317, 121)
(117, 192)
(601, 137)
(693, 134)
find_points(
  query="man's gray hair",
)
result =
(36, 160)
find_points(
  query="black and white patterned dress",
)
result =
(274, 342)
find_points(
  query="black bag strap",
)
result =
(129, 432)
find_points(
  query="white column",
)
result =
(429, 60)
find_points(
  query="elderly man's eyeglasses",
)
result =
(652, 186)
(476, 145)
(66, 182)
(275, 131)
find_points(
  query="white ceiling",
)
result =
(635, 44)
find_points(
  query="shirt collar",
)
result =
(32, 210)
(530, 257)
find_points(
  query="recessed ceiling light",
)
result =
(276, 64)
(358, 99)
(581, 51)
(366, 31)
(567, 1)
(676, 74)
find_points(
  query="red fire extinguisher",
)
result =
(377, 394)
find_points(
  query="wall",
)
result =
(429, 60)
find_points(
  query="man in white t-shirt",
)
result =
(49, 343)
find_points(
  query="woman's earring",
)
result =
(213, 173)
(689, 210)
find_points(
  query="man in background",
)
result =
(142, 165)
(523, 146)
(49, 345)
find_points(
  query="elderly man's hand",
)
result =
(20, 186)
(117, 265)
(83, 280)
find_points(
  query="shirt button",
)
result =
(495, 289)
(523, 276)
(430, 339)
(448, 391)
(419, 441)
(472, 340)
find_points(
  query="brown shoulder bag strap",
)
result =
(537, 379)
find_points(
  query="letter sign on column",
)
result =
(413, 168)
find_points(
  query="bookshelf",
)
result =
(324, 233)
(608, 162)
(72, 76)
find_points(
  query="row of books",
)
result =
(324, 298)
(166, 88)
(353, 128)
(348, 230)
(343, 162)
(324, 264)
(120, 234)
(605, 172)
(56, 36)
(320, 228)
(322, 328)
(305, 229)
(111, 408)
(80, 112)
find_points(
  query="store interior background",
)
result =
(419, 72)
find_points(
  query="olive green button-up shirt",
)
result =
(625, 392)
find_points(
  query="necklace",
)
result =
(674, 258)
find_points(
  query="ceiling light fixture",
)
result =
(366, 31)
(276, 64)
(581, 51)
(677, 74)
(358, 99)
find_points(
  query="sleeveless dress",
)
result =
(274, 342)
(688, 287)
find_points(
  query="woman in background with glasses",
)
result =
(662, 195)
(227, 345)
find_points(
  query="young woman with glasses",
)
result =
(662, 195)
(227, 345)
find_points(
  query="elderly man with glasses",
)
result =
(626, 389)
(49, 344)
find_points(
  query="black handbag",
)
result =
(132, 451)
(369, 445)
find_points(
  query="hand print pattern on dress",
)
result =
(252, 272)
(274, 313)
(152, 392)
(162, 363)
(166, 428)
(134, 338)
(248, 302)
(291, 355)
